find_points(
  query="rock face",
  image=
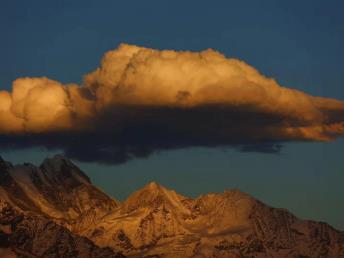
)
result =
(157, 221)
(152, 222)
(38, 204)
(24, 235)
(58, 189)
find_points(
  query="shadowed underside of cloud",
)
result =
(142, 100)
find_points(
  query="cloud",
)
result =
(141, 100)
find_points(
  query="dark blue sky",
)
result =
(300, 43)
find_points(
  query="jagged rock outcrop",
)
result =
(152, 222)
(58, 189)
(30, 235)
(157, 221)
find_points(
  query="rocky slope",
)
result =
(158, 222)
(57, 189)
(38, 204)
(31, 235)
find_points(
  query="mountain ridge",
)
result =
(156, 221)
(57, 188)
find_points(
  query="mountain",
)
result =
(154, 221)
(157, 221)
(32, 235)
(39, 204)
(56, 188)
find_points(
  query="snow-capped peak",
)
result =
(153, 185)
(57, 188)
(60, 169)
(55, 162)
(152, 196)
(158, 222)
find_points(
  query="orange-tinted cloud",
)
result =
(195, 98)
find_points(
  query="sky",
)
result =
(298, 43)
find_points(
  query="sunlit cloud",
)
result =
(140, 100)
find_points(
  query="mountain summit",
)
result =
(58, 199)
(57, 188)
(151, 196)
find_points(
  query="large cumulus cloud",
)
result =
(140, 100)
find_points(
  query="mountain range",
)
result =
(55, 211)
